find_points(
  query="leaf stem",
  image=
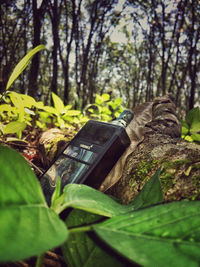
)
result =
(40, 259)
(75, 230)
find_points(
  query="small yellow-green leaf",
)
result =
(58, 103)
(105, 97)
(23, 64)
(14, 127)
(73, 112)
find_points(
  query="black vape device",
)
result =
(90, 155)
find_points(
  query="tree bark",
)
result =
(38, 15)
(180, 169)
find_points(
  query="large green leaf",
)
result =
(22, 65)
(163, 235)
(150, 194)
(89, 199)
(27, 226)
(81, 248)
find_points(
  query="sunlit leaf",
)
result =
(98, 99)
(14, 127)
(18, 103)
(49, 109)
(6, 108)
(105, 97)
(58, 103)
(28, 101)
(73, 113)
(22, 65)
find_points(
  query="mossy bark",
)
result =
(180, 173)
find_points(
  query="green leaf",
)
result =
(18, 103)
(193, 116)
(98, 100)
(150, 194)
(7, 108)
(56, 193)
(89, 199)
(188, 138)
(81, 249)
(23, 64)
(185, 128)
(49, 109)
(58, 103)
(163, 235)
(14, 127)
(27, 226)
(195, 137)
(105, 97)
(28, 101)
(73, 113)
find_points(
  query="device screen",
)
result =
(99, 134)
(80, 153)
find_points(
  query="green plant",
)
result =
(18, 112)
(104, 109)
(65, 114)
(145, 231)
(191, 126)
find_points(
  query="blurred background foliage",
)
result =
(133, 50)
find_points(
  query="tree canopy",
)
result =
(135, 50)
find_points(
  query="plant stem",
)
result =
(40, 259)
(80, 229)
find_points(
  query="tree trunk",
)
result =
(38, 15)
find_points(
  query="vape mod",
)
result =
(90, 155)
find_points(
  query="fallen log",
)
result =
(156, 143)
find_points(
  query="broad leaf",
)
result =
(23, 64)
(7, 108)
(81, 248)
(27, 226)
(163, 235)
(196, 137)
(105, 97)
(19, 104)
(58, 103)
(28, 101)
(89, 199)
(13, 127)
(150, 194)
(73, 112)
(193, 116)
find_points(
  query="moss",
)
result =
(196, 181)
(167, 179)
(141, 173)
(174, 164)
(182, 169)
